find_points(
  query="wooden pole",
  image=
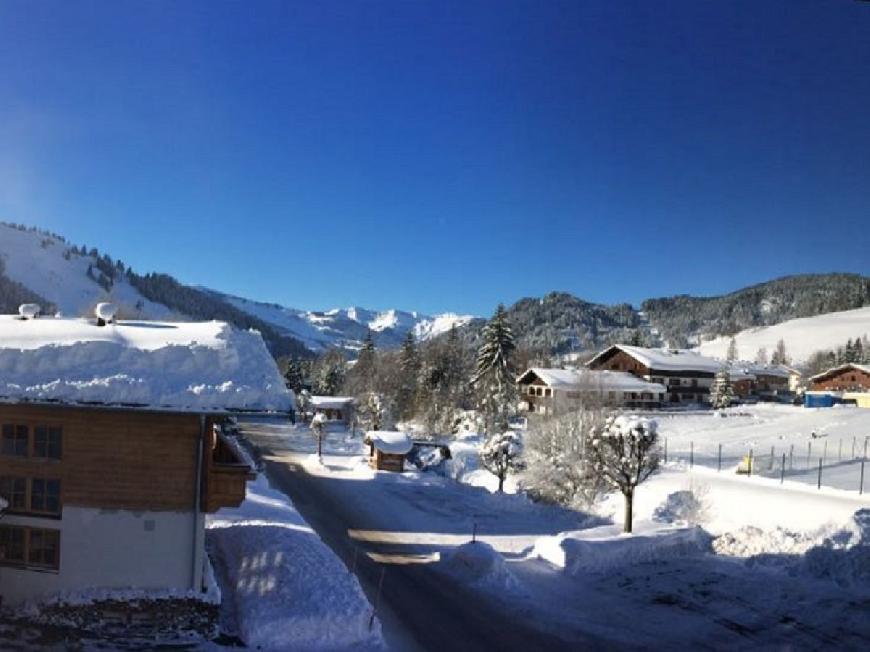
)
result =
(819, 485)
(782, 470)
(750, 462)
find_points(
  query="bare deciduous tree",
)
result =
(625, 453)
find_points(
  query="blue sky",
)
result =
(444, 155)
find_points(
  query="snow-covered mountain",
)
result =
(347, 327)
(47, 266)
(36, 266)
(802, 337)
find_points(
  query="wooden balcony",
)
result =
(227, 472)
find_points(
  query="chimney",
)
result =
(105, 313)
(29, 310)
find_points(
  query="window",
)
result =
(12, 543)
(30, 546)
(47, 442)
(45, 496)
(14, 440)
(35, 495)
(44, 548)
(548, 392)
(14, 490)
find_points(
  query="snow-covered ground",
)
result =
(840, 436)
(802, 337)
(283, 588)
(755, 564)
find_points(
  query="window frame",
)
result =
(49, 430)
(15, 430)
(28, 546)
(28, 508)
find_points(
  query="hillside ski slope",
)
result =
(45, 265)
(802, 337)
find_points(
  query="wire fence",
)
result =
(838, 463)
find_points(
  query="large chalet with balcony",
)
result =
(110, 454)
(686, 375)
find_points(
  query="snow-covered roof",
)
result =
(589, 379)
(741, 369)
(667, 359)
(390, 441)
(844, 367)
(173, 366)
(331, 402)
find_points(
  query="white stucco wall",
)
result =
(112, 549)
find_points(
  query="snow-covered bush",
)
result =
(625, 453)
(501, 453)
(686, 507)
(559, 467)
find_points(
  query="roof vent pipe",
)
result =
(105, 313)
(29, 310)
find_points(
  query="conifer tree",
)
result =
(722, 391)
(295, 375)
(494, 380)
(732, 351)
(409, 367)
(779, 355)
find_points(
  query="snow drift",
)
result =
(588, 551)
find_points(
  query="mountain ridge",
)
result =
(43, 267)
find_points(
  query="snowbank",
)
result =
(288, 590)
(840, 554)
(159, 365)
(481, 566)
(598, 549)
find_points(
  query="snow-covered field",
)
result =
(840, 436)
(802, 337)
(283, 588)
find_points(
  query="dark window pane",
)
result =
(44, 548)
(47, 441)
(45, 496)
(11, 543)
(14, 440)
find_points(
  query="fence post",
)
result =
(791, 457)
(691, 454)
(782, 470)
(865, 446)
(750, 463)
(772, 455)
(861, 486)
(819, 485)
(809, 454)
(720, 457)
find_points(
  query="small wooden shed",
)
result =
(387, 450)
